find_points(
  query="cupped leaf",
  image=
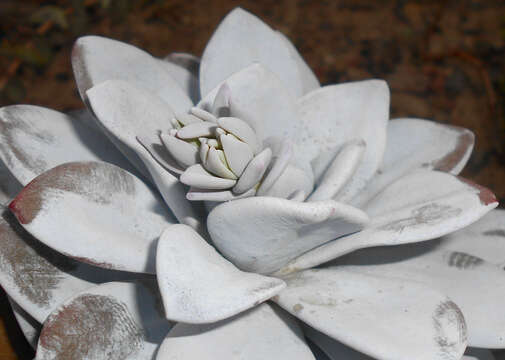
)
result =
(242, 39)
(336, 114)
(38, 278)
(417, 143)
(477, 286)
(261, 234)
(420, 206)
(97, 59)
(260, 99)
(260, 333)
(96, 213)
(117, 321)
(385, 318)
(199, 286)
(34, 139)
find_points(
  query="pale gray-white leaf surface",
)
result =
(34, 139)
(422, 205)
(385, 318)
(199, 286)
(264, 332)
(97, 59)
(240, 40)
(261, 234)
(96, 213)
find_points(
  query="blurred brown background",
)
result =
(443, 60)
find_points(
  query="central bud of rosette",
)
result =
(220, 155)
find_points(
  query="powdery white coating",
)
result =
(198, 177)
(423, 205)
(241, 130)
(260, 99)
(238, 153)
(240, 40)
(173, 192)
(34, 139)
(273, 231)
(195, 194)
(340, 171)
(184, 69)
(258, 334)
(110, 321)
(196, 130)
(184, 153)
(112, 217)
(253, 172)
(126, 112)
(199, 286)
(96, 59)
(215, 162)
(335, 114)
(282, 153)
(39, 278)
(485, 238)
(385, 318)
(463, 277)
(292, 180)
(308, 79)
(417, 143)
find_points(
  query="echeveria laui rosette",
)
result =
(270, 210)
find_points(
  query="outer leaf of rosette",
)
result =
(113, 219)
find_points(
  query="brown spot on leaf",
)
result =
(447, 318)
(297, 308)
(465, 141)
(35, 269)
(91, 327)
(95, 181)
(486, 196)
(463, 261)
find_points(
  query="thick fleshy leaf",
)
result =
(184, 68)
(199, 286)
(126, 113)
(97, 59)
(307, 77)
(416, 143)
(477, 286)
(260, 99)
(34, 139)
(260, 333)
(484, 238)
(240, 40)
(420, 206)
(9, 186)
(37, 277)
(110, 321)
(340, 171)
(385, 318)
(112, 218)
(261, 234)
(292, 181)
(28, 325)
(336, 114)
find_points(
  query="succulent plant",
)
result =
(230, 207)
